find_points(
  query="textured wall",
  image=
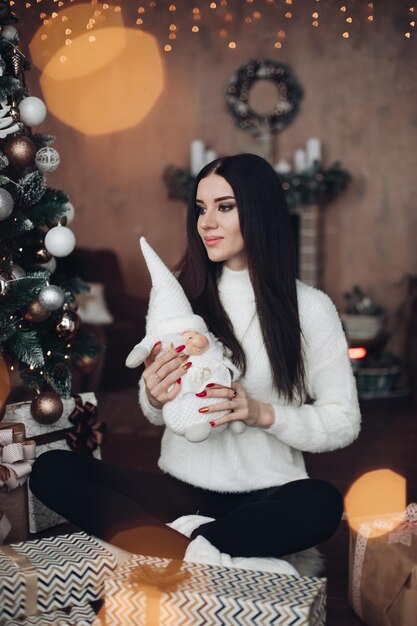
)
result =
(360, 100)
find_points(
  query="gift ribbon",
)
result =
(30, 576)
(87, 433)
(402, 530)
(154, 581)
(16, 460)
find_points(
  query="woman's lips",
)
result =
(211, 241)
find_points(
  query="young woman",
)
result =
(245, 495)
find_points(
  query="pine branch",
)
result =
(7, 329)
(50, 208)
(41, 140)
(85, 344)
(22, 292)
(8, 85)
(26, 348)
(31, 189)
(59, 377)
(15, 225)
(32, 378)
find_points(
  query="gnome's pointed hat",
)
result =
(169, 310)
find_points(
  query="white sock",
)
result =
(188, 523)
(202, 551)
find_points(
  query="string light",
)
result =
(232, 45)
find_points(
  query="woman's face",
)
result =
(218, 222)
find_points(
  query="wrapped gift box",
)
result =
(74, 616)
(383, 569)
(48, 574)
(47, 437)
(151, 591)
(16, 459)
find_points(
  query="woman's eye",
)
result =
(226, 207)
(199, 209)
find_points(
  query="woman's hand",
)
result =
(162, 376)
(240, 404)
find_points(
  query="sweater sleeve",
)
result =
(333, 419)
(150, 412)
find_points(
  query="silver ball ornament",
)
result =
(6, 204)
(60, 241)
(47, 159)
(17, 271)
(9, 32)
(32, 111)
(51, 297)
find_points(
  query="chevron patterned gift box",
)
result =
(53, 573)
(74, 616)
(148, 591)
(47, 437)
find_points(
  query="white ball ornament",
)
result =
(69, 212)
(6, 204)
(51, 297)
(60, 241)
(49, 266)
(32, 111)
(47, 159)
(9, 32)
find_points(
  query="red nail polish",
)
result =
(178, 381)
(180, 348)
(201, 394)
(212, 424)
(158, 343)
(187, 365)
(211, 385)
(203, 410)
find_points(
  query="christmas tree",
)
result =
(40, 330)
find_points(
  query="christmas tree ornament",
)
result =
(14, 112)
(69, 212)
(46, 407)
(2, 66)
(50, 265)
(8, 124)
(42, 255)
(6, 204)
(68, 324)
(51, 297)
(86, 363)
(17, 272)
(36, 313)
(17, 62)
(21, 152)
(4, 161)
(5, 278)
(47, 159)
(32, 111)
(60, 241)
(9, 32)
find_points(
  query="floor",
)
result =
(388, 440)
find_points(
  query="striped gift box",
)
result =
(209, 594)
(44, 575)
(74, 616)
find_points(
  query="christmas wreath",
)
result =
(289, 91)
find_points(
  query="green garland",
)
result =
(289, 91)
(317, 185)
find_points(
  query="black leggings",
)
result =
(103, 499)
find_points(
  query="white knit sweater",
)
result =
(259, 457)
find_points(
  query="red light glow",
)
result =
(357, 353)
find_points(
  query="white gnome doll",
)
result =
(171, 320)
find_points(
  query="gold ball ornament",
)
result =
(42, 255)
(36, 313)
(46, 407)
(68, 324)
(21, 152)
(86, 363)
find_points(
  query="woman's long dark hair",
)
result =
(270, 250)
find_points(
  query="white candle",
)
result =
(197, 156)
(282, 167)
(210, 156)
(300, 160)
(313, 151)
